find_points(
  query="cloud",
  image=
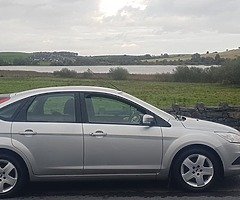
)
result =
(196, 15)
(127, 27)
(129, 45)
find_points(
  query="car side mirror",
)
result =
(148, 120)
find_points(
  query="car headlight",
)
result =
(229, 136)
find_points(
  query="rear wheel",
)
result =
(196, 169)
(13, 175)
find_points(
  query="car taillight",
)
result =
(2, 100)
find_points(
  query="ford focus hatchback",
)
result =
(81, 132)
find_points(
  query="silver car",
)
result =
(74, 133)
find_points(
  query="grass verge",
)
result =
(162, 95)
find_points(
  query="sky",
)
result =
(100, 27)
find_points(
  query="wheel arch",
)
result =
(202, 146)
(17, 156)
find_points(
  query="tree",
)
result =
(217, 59)
(148, 56)
(88, 74)
(165, 55)
(196, 56)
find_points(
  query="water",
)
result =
(133, 69)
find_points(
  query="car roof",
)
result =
(65, 88)
(18, 96)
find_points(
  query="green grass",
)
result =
(44, 63)
(10, 56)
(162, 95)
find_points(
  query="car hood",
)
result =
(197, 124)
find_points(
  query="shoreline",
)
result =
(22, 73)
(132, 69)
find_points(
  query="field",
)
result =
(231, 54)
(162, 95)
(10, 56)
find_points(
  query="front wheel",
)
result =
(196, 169)
(13, 175)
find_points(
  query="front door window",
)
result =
(109, 110)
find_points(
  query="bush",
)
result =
(65, 73)
(119, 73)
(228, 73)
(88, 74)
(189, 74)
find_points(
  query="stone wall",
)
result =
(223, 114)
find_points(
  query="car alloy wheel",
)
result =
(197, 170)
(8, 176)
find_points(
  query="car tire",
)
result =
(196, 169)
(13, 175)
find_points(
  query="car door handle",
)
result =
(28, 132)
(98, 134)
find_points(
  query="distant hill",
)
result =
(64, 58)
(230, 54)
(10, 56)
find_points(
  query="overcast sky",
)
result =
(94, 27)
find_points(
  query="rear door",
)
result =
(49, 132)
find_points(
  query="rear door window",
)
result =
(57, 107)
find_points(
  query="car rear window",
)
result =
(7, 112)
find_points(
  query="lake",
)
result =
(133, 69)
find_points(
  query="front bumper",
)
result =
(230, 155)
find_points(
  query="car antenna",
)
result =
(90, 71)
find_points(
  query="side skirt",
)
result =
(93, 177)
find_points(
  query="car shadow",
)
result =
(127, 188)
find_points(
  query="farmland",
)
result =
(10, 56)
(230, 54)
(160, 94)
(73, 59)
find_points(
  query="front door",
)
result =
(48, 132)
(116, 142)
